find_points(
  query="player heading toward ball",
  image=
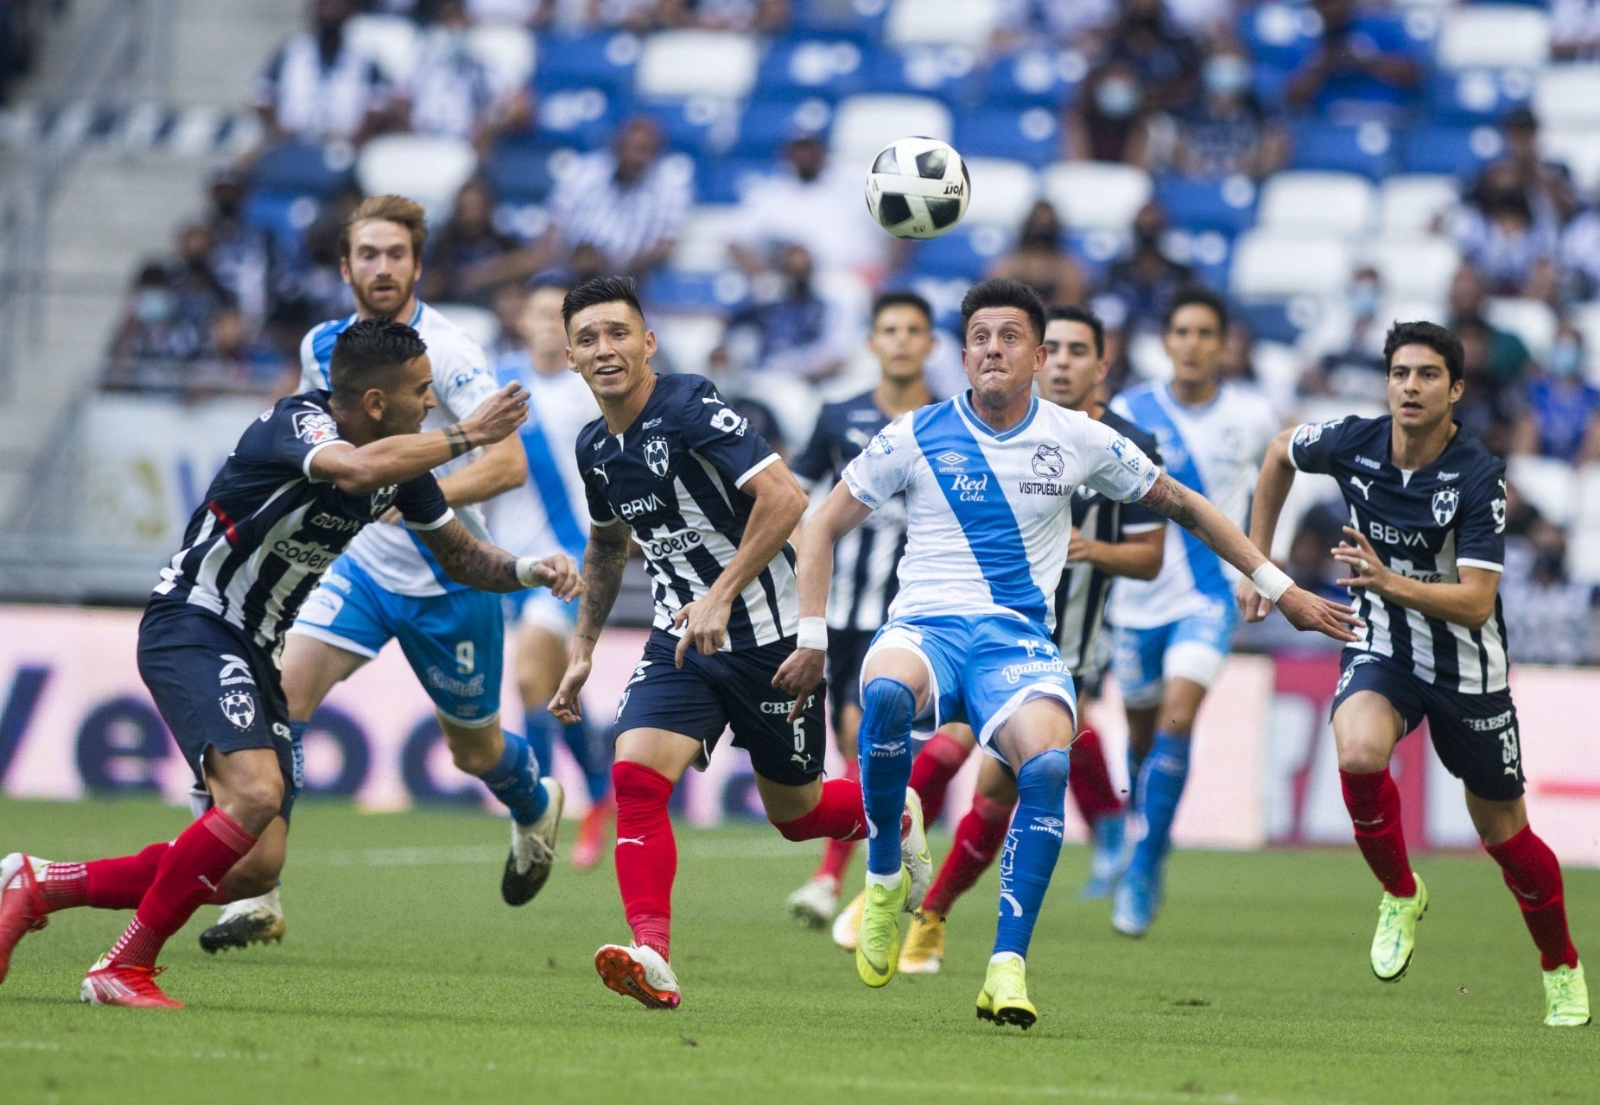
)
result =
(1423, 554)
(989, 478)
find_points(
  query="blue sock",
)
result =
(515, 781)
(580, 739)
(297, 751)
(1161, 783)
(884, 749)
(1135, 766)
(1033, 844)
(542, 729)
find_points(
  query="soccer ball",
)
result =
(918, 188)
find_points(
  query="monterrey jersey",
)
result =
(268, 530)
(674, 478)
(1425, 524)
(399, 562)
(864, 560)
(1081, 595)
(549, 513)
(1215, 450)
(988, 514)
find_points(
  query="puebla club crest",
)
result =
(1047, 462)
(656, 456)
(1445, 501)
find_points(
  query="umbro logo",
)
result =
(951, 457)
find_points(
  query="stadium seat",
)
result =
(1279, 34)
(1578, 149)
(723, 180)
(1587, 320)
(585, 118)
(864, 125)
(1532, 320)
(1587, 498)
(1037, 78)
(1095, 195)
(1459, 151)
(390, 40)
(1316, 203)
(965, 252)
(1227, 205)
(1408, 203)
(286, 216)
(1568, 96)
(701, 126)
(1472, 96)
(1027, 134)
(1496, 35)
(766, 126)
(1583, 555)
(695, 292)
(1278, 367)
(1414, 268)
(1550, 484)
(519, 174)
(303, 170)
(602, 60)
(941, 22)
(947, 72)
(1271, 321)
(679, 64)
(509, 53)
(478, 323)
(794, 67)
(1366, 149)
(1272, 265)
(839, 17)
(1002, 191)
(1208, 252)
(429, 168)
(687, 339)
(707, 232)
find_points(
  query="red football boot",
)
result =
(133, 987)
(22, 905)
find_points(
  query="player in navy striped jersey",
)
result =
(302, 482)
(711, 506)
(1424, 552)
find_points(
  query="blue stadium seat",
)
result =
(694, 292)
(284, 215)
(302, 170)
(838, 17)
(1270, 321)
(1279, 34)
(1458, 150)
(964, 253)
(700, 126)
(1228, 206)
(1209, 253)
(767, 125)
(800, 67)
(1035, 78)
(519, 174)
(1473, 96)
(947, 72)
(1367, 149)
(723, 180)
(582, 117)
(587, 60)
(1030, 134)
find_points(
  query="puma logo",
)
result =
(1364, 486)
(621, 840)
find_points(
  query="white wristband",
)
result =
(1271, 581)
(813, 634)
(525, 567)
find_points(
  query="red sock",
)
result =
(836, 853)
(977, 842)
(1374, 804)
(1089, 780)
(838, 815)
(118, 883)
(188, 873)
(646, 853)
(932, 771)
(1534, 876)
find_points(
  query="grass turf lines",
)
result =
(404, 978)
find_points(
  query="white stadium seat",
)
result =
(1588, 496)
(1532, 320)
(1408, 202)
(863, 125)
(1576, 148)
(707, 232)
(478, 323)
(1002, 191)
(429, 168)
(1568, 96)
(688, 340)
(1551, 485)
(1096, 195)
(1419, 268)
(1316, 203)
(509, 53)
(1587, 320)
(1497, 36)
(941, 22)
(1271, 265)
(391, 40)
(680, 64)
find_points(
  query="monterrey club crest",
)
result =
(1445, 501)
(656, 456)
(1047, 462)
(239, 707)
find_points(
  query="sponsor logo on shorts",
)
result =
(235, 670)
(239, 707)
(462, 688)
(784, 707)
(1350, 670)
(1488, 724)
(1014, 672)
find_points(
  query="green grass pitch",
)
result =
(403, 978)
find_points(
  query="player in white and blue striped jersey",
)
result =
(1423, 553)
(989, 479)
(1174, 632)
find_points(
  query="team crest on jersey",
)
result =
(1445, 501)
(239, 707)
(315, 427)
(383, 499)
(1047, 462)
(657, 456)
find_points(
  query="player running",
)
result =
(1424, 553)
(1174, 632)
(548, 513)
(303, 480)
(711, 506)
(1109, 538)
(989, 478)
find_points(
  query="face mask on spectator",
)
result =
(1118, 97)
(1566, 359)
(1364, 299)
(1226, 75)
(152, 305)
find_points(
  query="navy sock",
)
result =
(1161, 784)
(884, 750)
(515, 781)
(297, 746)
(1033, 844)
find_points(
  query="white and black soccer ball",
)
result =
(918, 188)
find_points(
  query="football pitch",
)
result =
(403, 978)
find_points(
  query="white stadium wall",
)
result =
(75, 719)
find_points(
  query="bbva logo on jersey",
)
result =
(1445, 501)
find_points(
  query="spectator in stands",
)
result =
(1549, 618)
(1226, 131)
(747, 16)
(319, 88)
(1548, 184)
(1495, 364)
(1563, 415)
(245, 257)
(453, 92)
(1575, 30)
(1362, 67)
(1050, 23)
(1141, 284)
(797, 333)
(1041, 260)
(316, 289)
(1343, 352)
(627, 203)
(808, 201)
(1578, 258)
(152, 334)
(200, 295)
(467, 258)
(1499, 233)
(1108, 121)
(1165, 61)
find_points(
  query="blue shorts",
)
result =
(1475, 735)
(455, 643)
(215, 688)
(981, 669)
(726, 690)
(1193, 648)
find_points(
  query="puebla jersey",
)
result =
(1426, 524)
(864, 560)
(989, 514)
(268, 530)
(394, 558)
(674, 478)
(1215, 450)
(550, 512)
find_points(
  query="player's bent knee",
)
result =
(887, 706)
(1047, 770)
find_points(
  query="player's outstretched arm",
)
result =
(603, 560)
(1272, 491)
(467, 560)
(402, 457)
(501, 467)
(1195, 513)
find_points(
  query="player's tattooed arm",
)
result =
(467, 560)
(603, 561)
(1171, 499)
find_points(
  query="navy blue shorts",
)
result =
(1475, 735)
(215, 688)
(847, 652)
(727, 690)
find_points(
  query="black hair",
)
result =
(1430, 334)
(1002, 291)
(885, 300)
(1074, 313)
(366, 355)
(601, 289)
(1196, 296)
